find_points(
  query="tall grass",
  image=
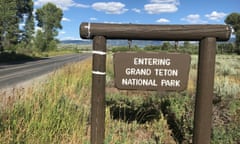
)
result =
(226, 119)
(53, 112)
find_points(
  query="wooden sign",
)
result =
(168, 71)
(151, 71)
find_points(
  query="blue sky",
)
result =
(139, 12)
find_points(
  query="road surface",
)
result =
(12, 74)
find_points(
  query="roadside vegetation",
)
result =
(18, 39)
(22, 55)
(58, 110)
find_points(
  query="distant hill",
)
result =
(114, 42)
(81, 42)
(140, 43)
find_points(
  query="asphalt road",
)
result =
(12, 74)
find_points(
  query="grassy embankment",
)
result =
(58, 111)
(33, 54)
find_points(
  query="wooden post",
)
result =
(98, 90)
(204, 96)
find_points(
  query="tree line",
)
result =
(17, 25)
(183, 46)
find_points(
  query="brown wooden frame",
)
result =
(206, 34)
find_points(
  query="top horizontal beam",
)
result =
(155, 32)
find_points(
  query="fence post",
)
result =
(98, 90)
(204, 95)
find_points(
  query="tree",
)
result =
(233, 20)
(8, 24)
(24, 7)
(40, 42)
(49, 19)
(12, 13)
(225, 47)
(166, 46)
(29, 29)
(25, 13)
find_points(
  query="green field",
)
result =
(57, 111)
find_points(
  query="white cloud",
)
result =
(62, 32)
(110, 7)
(136, 10)
(93, 19)
(216, 15)
(80, 5)
(161, 6)
(163, 20)
(165, 1)
(193, 19)
(70, 38)
(63, 4)
(66, 19)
